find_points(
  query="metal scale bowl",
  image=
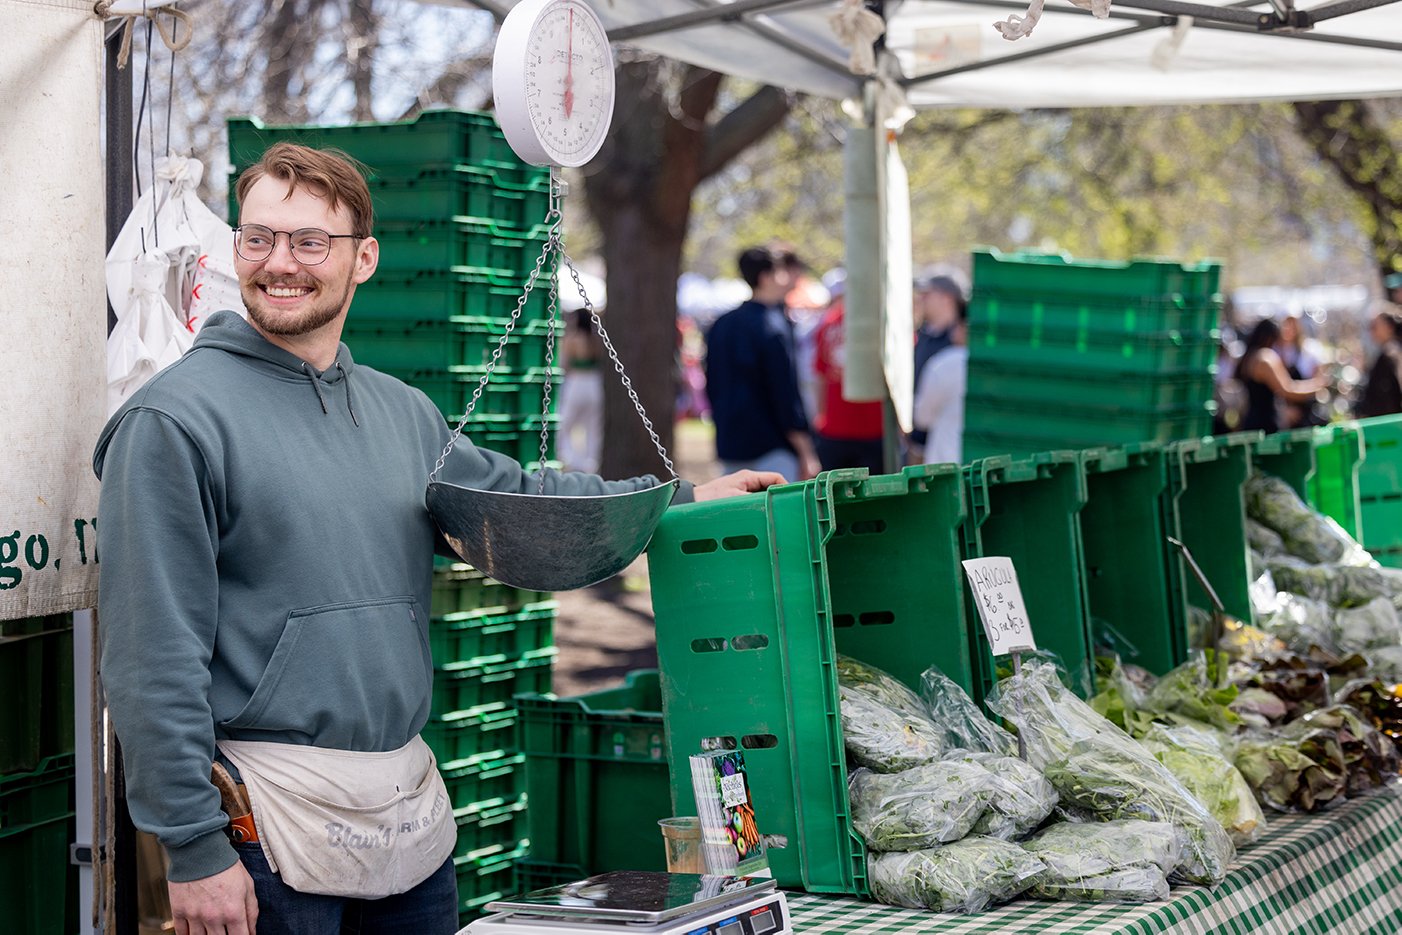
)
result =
(539, 541)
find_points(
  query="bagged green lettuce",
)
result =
(1101, 774)
(966, 876)
(1305, 533)
(1195, 757)
(1338, 585)
(1262, 539)
(965, 727)
(1195, 690)
(1109, 861)
(885, 688)
(920, 807)
(882, 738)
(1020, 798)
(1373, 625)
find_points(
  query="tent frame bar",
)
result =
(726, 12)
(1145, 25)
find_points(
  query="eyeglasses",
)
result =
(310, 245)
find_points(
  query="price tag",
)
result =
(1000, 607)
(732, 791)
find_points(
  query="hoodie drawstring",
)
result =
(316, 385)
(345, 377)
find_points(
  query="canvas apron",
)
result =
(343, 823)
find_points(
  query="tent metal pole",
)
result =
(1200, 12)
(727, 12)
(1021, 6)
(1356, 41)
(1158, 23)
(1341, 8)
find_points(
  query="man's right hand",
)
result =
(222, 904)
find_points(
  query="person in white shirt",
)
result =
(939, 397)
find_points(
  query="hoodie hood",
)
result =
(228, 331)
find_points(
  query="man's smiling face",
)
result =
(283, 296)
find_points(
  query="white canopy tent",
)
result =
(950, 55)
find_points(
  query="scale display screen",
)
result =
(627, 894)
(763, 922)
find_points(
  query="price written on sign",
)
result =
(1000, 607)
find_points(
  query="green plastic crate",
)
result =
(1090, 389)
(1134, 582)
(1382, 528)
(441, 136)
(1289, 456)
(404, 346)
(462, 192)
(485, 783)
(1097, 315)
(1029, 510)
(484, 881)
(486, 637)
(1082, 349)
(480, 685)
(508, 397)
(755, 596)
(491, 832)
(1338, 456)
(37, 881)
(1051, 274)
(36, 668)
(459, 588)
(532, 875)
(1207, 476)
(1061, 427)
(461, 737)
(596, 776)
(442, 294)
(485, 246)
(1381, 473)
(521, 442)
(988, 444)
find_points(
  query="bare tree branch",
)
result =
(748, 123)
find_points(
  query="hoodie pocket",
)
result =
(355, 676)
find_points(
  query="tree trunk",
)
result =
(1346, 135)
(362, 39)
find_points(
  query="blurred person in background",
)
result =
(941, 302)
(939, 396)
(1299, 353)
(807, 303)
(1382, 393)
(750, 378)
(580, 438)
(1267, 383)
(1392, 288)
(846, 434)
(1227, 393)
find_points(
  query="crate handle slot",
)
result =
(711, 644)
(868, 527)
(740, 543)
(759, 741)
(718, 743)
(750, 641)
(698, 546)
(844, 620)
(877, 618)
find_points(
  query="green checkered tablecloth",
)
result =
(1339, 872)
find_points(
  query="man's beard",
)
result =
(274, 321)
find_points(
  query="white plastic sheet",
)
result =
(53, 319)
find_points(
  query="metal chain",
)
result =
(554, 244)
(618, 364)
(554, 219)
(558, 248)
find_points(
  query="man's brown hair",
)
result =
(329, 173)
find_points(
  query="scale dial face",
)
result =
(552, 81)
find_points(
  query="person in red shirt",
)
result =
(847, 434)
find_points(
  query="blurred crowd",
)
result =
(1284, 371)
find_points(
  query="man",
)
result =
(939, 396)
(266, 588)
(940, 302)
(751, 381)
(847, 434)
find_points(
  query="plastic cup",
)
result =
(683, 839)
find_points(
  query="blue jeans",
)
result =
(431, 908)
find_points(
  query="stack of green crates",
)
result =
(38, 884)
(490, 641)
(461, 223)
(1070, 354)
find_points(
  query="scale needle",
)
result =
(569, 70)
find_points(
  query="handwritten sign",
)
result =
(1000, 607)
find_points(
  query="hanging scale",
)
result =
(552, 78)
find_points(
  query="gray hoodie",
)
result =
(267, 566)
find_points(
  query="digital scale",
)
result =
(645, 903)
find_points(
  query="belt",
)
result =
(233, 799)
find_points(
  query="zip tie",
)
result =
(106, 8)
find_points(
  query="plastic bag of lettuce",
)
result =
(1101, 774)
(966, 876)
(1120, 861)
